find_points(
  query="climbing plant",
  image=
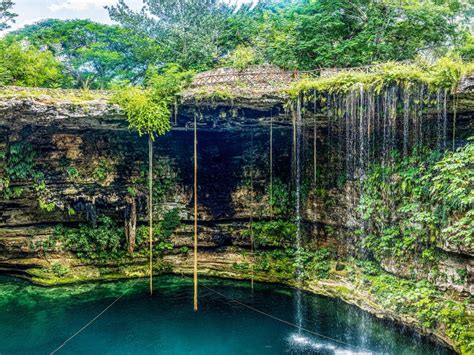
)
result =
(419, 202)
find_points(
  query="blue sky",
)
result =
(30, 11)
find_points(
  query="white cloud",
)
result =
(80, 5)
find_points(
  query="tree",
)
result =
(148, 112)
(25, 65)
(189, 31)
(6, 16)
(326, 33)
(94, 54)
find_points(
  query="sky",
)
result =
(30, 11)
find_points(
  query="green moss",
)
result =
(444, 74)
(213, 93)
(52, 96)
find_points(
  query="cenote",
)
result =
(38, 320)
(307, 165)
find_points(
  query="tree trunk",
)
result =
(150, 206)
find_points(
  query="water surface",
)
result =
(36, 320)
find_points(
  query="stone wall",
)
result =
(233, 151)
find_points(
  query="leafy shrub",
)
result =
(407, 204)
(59, 269)
(276, 233)
(429, 305)
(161, 233)
(100, 243)
(281, 200)
(242, 57)
(103, 170)
(24, 65)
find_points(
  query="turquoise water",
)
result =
(36, 320)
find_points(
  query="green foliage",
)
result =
(281, 199)
(171, 220)
(369, 267)
(72, 172)
(214, 93)
(316, 264)
(276, 263)
(418, 203)
(445, 73)
(24, 65)
(103, 170)
(161, 234)
(189, 37)
(242, 57)
(102, 242)
(20, 161)
(429, 305)
(144, 114)
(184, 250)
(276, 233)
(59, 269)
(467, 51)
(284, 263)
(94, 54)
(148, 108)
(341, 33)
(19, 164)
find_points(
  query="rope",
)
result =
(224, 297)
(283, 320)
(93, 319)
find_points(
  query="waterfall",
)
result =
(314, 141)
(406, 116)
(445, 120)
(271, 164)
(297, 162)
(439, 120)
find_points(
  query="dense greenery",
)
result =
(25, 65)
(102, 242)
(420, 202)
(203, 34)
(93, 55)
(148, 108)
(425, 302)
(301, 35)
(276, 233)
(443, 74)
(105, 241)
(187, 31)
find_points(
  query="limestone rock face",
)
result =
(89, 160)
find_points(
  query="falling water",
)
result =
(297, 158)
(439, 123)
(406, 116)
(445, 120)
